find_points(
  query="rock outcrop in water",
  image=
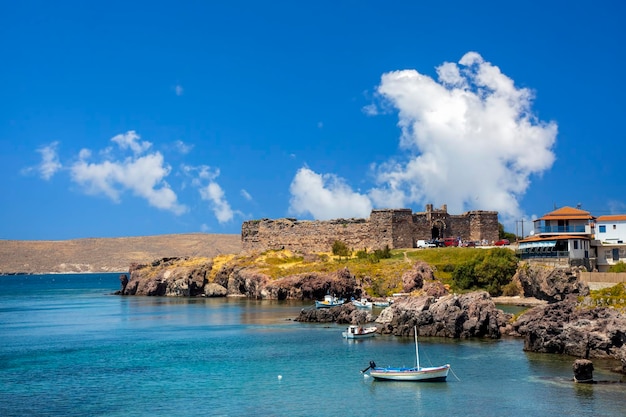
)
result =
(171, 277)
(568, 328)
(456, 316)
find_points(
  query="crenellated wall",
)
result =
(396, 228)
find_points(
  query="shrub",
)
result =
(340, 249)
(384, 253)
(488, 270)
(618, 267)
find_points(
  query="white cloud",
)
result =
(130, 140)
(178, 89)
(143, 175)
(470, 139)
(326, 197)
(246, 195)
(50, 163)
(214, 194)
(203, 177)
(182, 147)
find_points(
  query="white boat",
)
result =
(362, 303)
(382, 303)
(358, 332)
(417, 373)
(329, 301)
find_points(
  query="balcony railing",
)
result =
(560, 229)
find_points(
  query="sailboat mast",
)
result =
(417, 352)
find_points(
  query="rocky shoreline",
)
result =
(555, 322)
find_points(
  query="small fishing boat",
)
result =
(329, 301)
(362, 303)
(382, 303)
(417, 373)
(358, 332)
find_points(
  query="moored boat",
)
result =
(362, 303)
(329, 301)
(416, 373)
(358, 332)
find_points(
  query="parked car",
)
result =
(425, 244)
(451, 241)
(469, 244)
(502, 242)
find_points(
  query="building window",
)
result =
(614, 227)
(575, 244)
(602, 229)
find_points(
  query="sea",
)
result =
(69, 347)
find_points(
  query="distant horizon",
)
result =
(142, 118)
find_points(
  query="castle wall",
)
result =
(304, 236)
(396, 228)
(483, 225)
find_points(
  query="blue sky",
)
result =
(142, 118)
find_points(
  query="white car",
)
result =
(425, 244)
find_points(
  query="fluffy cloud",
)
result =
(143, 175)
(326, 197)
(50, 163)
(204, 178)
(215, 195)
(469, 140)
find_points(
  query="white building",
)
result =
(610, 235)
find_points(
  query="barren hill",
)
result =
(108, 254)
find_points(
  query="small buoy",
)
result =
(280, 377)
(365, 376)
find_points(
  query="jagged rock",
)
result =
(549, 284)
(566, 328)
(583, 371)
(214, 290)
(414, 278)
(168, 277)
(468, 315)
(123, 284)
(314, 286)
(343, 314)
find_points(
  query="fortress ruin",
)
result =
(396, 228)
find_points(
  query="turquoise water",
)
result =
(68, 348)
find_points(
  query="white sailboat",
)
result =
(417, 373)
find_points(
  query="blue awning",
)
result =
(539, 244)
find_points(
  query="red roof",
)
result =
(567, 213)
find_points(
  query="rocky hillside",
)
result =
(108, 254)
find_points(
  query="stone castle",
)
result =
(396, 228)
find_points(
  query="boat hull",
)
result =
(432, 374)
(324, 304)
(351, 333)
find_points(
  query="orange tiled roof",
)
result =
(567, 213)
(612, 218)
(556, 237)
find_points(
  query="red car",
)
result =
(502, 242)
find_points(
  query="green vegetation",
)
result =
(618, 267)
(614, 296)
(340, 249)
(381, 270)
(490, 270)
(502, 234)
